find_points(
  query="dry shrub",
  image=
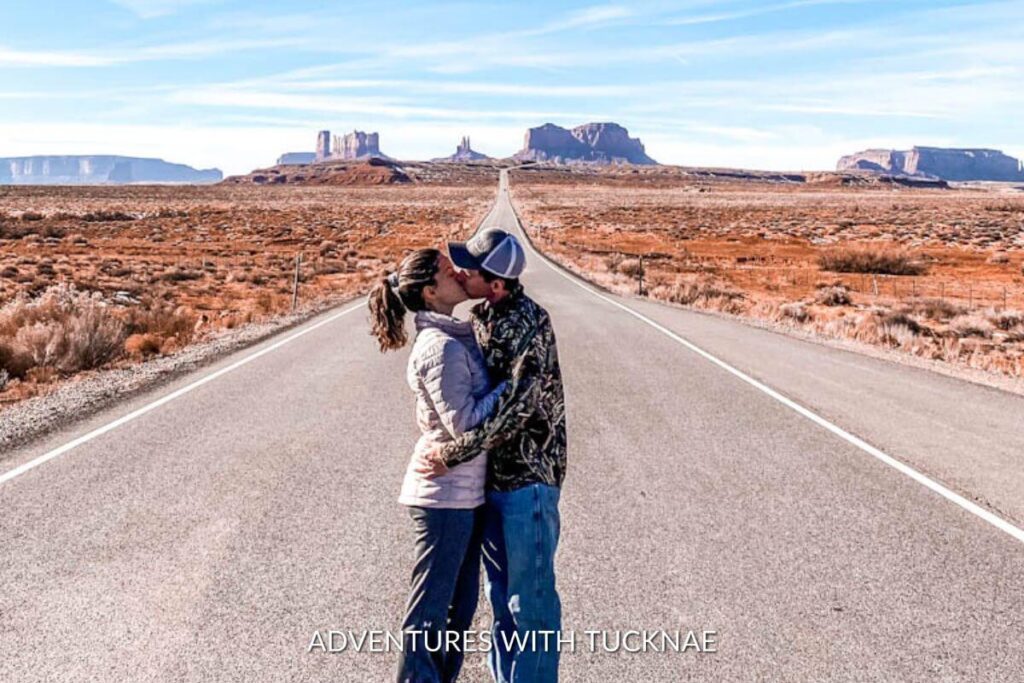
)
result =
(42, 375)
(833, 296)
(935, 309)
(901, 319)
(895, 334)
(84, 339)
(631, 268)
(11, 231)
(705, 295)
(142, 345)
(107, 216)
(63, 329)
(163, 321)
(880, 261)
(180, 275)
(999, 258)
(266, 302)
(613, 261)
(15, 360)
(796, 311)
(971, 325)
(1006, 320)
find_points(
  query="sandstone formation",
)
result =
(323, 145)
(296, 158)
(99, 170)
(373, 171)
(603, 143)
(937, 162)
(464, 153)
(356, 145)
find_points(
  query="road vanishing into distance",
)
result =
(721, 478)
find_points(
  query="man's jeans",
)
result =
(445, 588)
(521, 530)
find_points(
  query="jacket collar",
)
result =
(446, 323)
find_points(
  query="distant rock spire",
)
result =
(464, 152)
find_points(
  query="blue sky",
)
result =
(782, 84)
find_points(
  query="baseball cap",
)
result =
(493, 250)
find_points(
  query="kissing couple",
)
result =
(484, 479)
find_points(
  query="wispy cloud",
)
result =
(37, 58)
(756, 11)
(148, 53)
(370, 106)
(585, 18)
(150, 9)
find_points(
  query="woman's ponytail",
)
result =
(387, 316)
(399, 292)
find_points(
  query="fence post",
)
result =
(640, 287)
(295, 282)
(1004, 297)
(970, 295)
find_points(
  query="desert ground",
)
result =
(100, 277)
(936, 273)
(93, 277)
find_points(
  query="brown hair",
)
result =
(399, 292)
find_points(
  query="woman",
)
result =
(453, 394)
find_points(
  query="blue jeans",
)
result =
(520, 537)
(443, 597)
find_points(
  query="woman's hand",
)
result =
(430, 464)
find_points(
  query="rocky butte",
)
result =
(296, 158)
(99, 170)
(356, 145)
(602, 143)
(937, 162)
(464, 153)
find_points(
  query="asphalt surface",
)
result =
(209, 538)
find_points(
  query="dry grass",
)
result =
(65, 331)
(98, 276)
(933, 273)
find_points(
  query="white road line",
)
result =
(85, 438)
(938, 488)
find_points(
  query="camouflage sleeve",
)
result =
(516, 406)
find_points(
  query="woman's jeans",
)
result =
(521, 529)
(445, 588)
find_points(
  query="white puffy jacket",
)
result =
(453, 394)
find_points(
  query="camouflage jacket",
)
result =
(525, 439)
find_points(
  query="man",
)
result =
(526, 446)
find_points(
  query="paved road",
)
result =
(208, 539)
